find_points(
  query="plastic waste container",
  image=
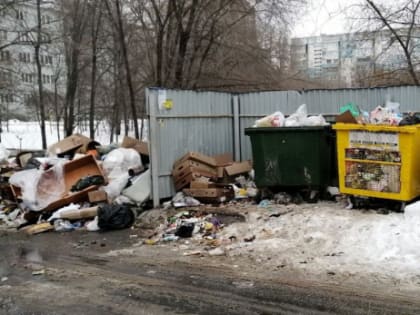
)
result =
(379, 161)
(293, 157)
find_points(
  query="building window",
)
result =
(19, 15)
(45, 19)
(27, 77)
(6, 98)
(4, 55)
(25, 57)
(3, 35)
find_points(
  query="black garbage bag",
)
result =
(87, 181)
(115, 217)
(410, 120)
(185, 229)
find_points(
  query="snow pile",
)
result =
(327, 238)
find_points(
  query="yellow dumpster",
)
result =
(379, 161)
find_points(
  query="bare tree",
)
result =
(115, 13)
(74, 25)
(401, 19)
(208, 44)
(95, 26)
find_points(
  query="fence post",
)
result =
(236, 128)
(153, 141)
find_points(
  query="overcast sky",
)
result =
(323, 16)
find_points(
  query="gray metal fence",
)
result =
(213, 123)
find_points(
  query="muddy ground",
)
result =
(114, 273)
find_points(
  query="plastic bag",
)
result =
(393, 107)
(274, 120)
(116, 185)
(315, 121)
(4, 154)
(119, 161)
(39, 188)
(92, 226)
(115, 217)
(70, 208)
(297, 118)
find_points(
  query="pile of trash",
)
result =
(299, 118)
(389, 114)
(77, 184)
(196, 227)
(201, 178)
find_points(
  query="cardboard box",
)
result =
(72, 172)
(140, 146)
(186, 167)
(97, 196)
(185, 181)
(202, 182)
(346, 117)
(73, 143)
(195, 156)
(187, 175)
(220, 171)
(224, 159)
(211, 195)
(238, 168)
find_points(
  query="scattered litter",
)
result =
(38, 272)
(217, 252)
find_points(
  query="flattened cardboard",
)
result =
(238, 168)
(196, 157)
(38, 228)
(69, 144)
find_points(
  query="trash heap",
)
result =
(79, 184)
(199, 231)
(389, 114)
(299, 118)
(201, 178)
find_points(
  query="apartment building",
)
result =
(18, 72)
(343, 58)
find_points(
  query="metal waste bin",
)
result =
(379, 161)
(294, 157)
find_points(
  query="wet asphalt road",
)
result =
(76, 278)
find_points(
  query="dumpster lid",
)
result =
(251, 130)
(377, 128)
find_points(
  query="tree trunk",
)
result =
(95, 31)
(127, 69)
(39, 73)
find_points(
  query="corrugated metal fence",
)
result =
(213, 123)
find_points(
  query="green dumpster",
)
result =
(294, 157)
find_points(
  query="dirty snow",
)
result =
(326, 238)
